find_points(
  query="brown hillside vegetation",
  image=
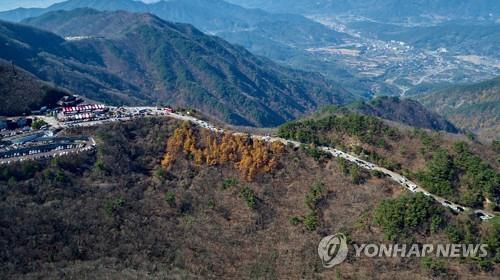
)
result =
(250, 156)
(118, 214)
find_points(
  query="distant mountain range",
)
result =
(385, 10)
(296, 40)
(210, 16)
(282, 37)
(177, 64)
(13, 4)
(21, 92)
(473, 107)
(141, 59)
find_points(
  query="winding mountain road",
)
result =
(401, 180)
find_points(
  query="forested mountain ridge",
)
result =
(141, 59)
(404, 111)
(259, 31)
(394, 109)
(282, 37)
(21, 92)
(474, 107)
(213, 16)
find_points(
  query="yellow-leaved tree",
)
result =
(250, 157)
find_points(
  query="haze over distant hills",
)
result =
(355, 47)
(408, 46)
(14, 4)
(141, 59)
(284, 38)
(212, 16)
(350, 42)
(385, 10)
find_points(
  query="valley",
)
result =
(362, 53)
(250, 139)
(139, 59)
(403, 65)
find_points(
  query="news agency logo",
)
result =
(333, 250)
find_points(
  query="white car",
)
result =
(447, 203)
(453, 207)
(413, 189)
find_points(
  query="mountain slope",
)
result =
(118, 214)
(211, 16)
(405, 111)
(473, 107)
(143, 59)
(285, 38)
(443, 164)
(21, 92)
(73, 66)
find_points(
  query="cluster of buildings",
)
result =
(65, 101)
(24, 138)
(84, 108)
(83, 112)
(40, 144)
(14, 123)
(44, 146)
